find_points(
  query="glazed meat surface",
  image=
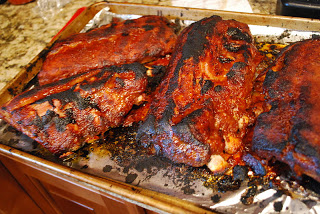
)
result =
(290, 130)
(64, 115)
(138, 40)
(202, 108)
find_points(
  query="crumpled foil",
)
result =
(124, 161)
(49, 8)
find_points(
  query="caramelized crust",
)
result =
(139, 40)
(202, 107)
(290, 130)
(62, 116)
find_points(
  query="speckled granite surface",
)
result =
(24, 33)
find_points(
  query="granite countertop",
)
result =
(24, 33)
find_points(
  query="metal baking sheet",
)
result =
(123, 162)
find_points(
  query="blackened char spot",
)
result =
(129, 21)
(197, 38)
(236, 68)
(225, 60)
(51, 117)
(201, 81)
(305, 92)
(37, 122)
(146, 131)
(148, 27)
(302, 145)
(62, 122)
(237, 34)
(96, 84)
(260, 142)
(48, 117)
(70, 96)
(158, 71)
(232, 47)
(271, 76)
(208, 84)
(218, 88)
(120, 82)
(139, 69)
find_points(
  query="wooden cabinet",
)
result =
(12, 195)
(45, 192)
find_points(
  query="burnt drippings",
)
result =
(255, 185)
(255, 164)
(248, 196)
(215, 198)
(278, 206)
(188, 190)
(131, 177)
(240, 172)
(107, 168)
(130, 156)
(227, 183)
(220, 183)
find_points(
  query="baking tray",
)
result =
(165, 188)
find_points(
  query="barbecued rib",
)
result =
(138, 40)
(62, 116)
(290, 130)
(156, 71)
(202, 107)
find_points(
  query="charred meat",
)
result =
(62, 116)
(139, 40)
(290, 130)
(201, 110)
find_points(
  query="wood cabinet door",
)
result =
(13, 198)
(56, 194)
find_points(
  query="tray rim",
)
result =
(143, 197)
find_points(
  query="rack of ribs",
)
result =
(202, 108)
(123, 42)
(64, 115)
(290, 130)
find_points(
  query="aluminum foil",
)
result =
(125, 162)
